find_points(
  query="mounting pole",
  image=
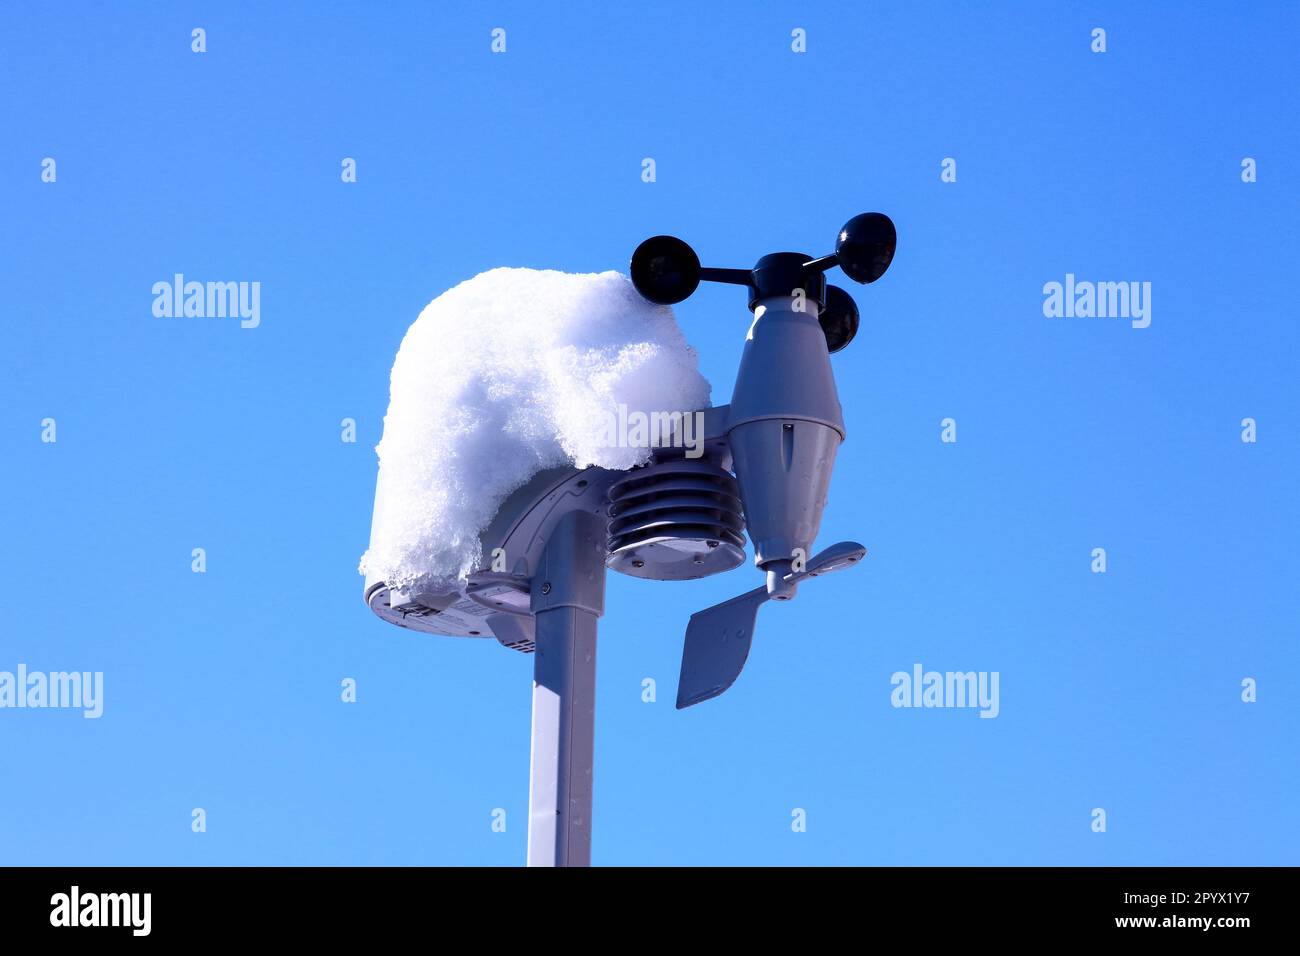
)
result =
(567, 598)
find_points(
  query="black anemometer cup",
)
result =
(838, 318)
(665, 270)
(865, 246)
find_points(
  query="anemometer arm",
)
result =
(728, 276)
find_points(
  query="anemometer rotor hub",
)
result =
(780, 274)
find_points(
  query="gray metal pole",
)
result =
(568, 596)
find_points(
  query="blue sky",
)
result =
(1119, 690)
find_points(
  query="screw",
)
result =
(638, 563)
(546, 587)
(711, 544)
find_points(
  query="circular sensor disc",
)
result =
(673, 556)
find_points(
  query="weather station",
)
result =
(764, 471)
